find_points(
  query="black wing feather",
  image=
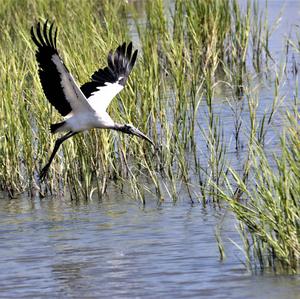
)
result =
(49, 75)
(119, 64)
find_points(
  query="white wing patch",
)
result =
(72, 92)
(100, 99)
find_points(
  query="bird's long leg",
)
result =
(58, 142)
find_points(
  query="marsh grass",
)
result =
(177, 71)
(270, 215)
(188, 52)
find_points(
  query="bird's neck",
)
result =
(119, 127)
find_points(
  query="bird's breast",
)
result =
(87, 121)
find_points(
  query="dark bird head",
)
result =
(131, 130)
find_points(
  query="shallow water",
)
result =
(116, 248)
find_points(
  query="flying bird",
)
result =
(83, 107)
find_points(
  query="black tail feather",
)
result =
(55, 127)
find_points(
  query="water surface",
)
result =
(116, 248)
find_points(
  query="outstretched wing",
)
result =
(58, 84)
(106, 83)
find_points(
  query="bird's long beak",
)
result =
(138, 133)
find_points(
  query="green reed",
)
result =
(183, 52)
(180, 61)
(270, 216)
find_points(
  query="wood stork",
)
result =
(84, 108)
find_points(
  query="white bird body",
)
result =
(83, 107)
(86, 121)
(86, 113)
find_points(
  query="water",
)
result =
(116, 248)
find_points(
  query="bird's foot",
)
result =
(158, 148)
(43, 173)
